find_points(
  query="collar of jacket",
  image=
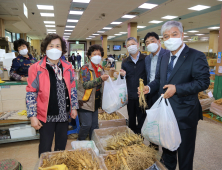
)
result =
(30, 56)
(141, 57)
(64, 63)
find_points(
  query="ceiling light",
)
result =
(128, 16)
(95, 34)
(66, 36)
(184, 33)
(186, 36)
(199, 34)
(88, 38)
(147, 6)
(213, 28)
(116, 23)
(47, 14)
(68, 30)
(111, 36)
(141, 26)
(123, 32)
(107, 28)
(49, 22)
(92, 36)
(117, 34)
(70, 26)
(81, 1)
(45, 7)
(193, 31)
(169, 17)
(51, 30)
(155, 22)
(100, 31)
(76, 12)
(72, 20)
(199, 7)
(67, 33)
(49, 25)
(185, 41)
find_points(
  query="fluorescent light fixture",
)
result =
(141, 26)
(76, 12)
(117, 34)
(199, 34)
(69, 30)
(81, 1)
(213, 28)
(184, 33)
(128, 16)
(95, 34)
(45, 7)
(66, 36)
(155, 22)
(185, 41)
(88, 38)
(66, 33)
(147, 6)
(49, 22)
(111, 36)
(51, 30)
(49, 25)
(169, 17)
(70, 26)
(116, 23)
(193, 31)
(107, 28)
(47, 14)
(123, 32)
(186, 36)
(199, 7)
(72, 20)
(25, 10)
(100, 31)
(92, 36)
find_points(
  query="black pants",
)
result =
(185, 151)
(134, 111)
(47, 132)
(151, 99)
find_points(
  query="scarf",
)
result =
(56, 68)
(97, 69)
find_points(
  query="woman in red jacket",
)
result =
(51, 94)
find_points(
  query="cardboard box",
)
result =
(14, 92)
(10, 105)
(21, 131)
(216, 109)
(212, 62)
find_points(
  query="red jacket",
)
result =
(39, 83)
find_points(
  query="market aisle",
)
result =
(208, 149)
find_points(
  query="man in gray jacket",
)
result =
(152, 61)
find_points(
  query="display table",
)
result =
(12, 96)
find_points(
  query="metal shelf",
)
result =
(19, 139)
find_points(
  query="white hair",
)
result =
(131, 38)
(170, 24)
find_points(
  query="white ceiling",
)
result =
(91, 22)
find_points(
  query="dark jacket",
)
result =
(78, 58)
(133, 73)
(190, 75)
(72, 60)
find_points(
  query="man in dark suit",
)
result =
(183, 74)
(72, 59)
(133, 68)
(152, 61)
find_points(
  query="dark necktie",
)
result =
(170, 67)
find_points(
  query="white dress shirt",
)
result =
(153, 64)
(137, 58)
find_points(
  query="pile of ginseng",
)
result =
(107, 116)
(219, 101)
(74, 160)
(211, 86)
(201, 95)
(123, 139)
(135, 157)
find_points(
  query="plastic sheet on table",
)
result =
(206, 103)
(216, 109)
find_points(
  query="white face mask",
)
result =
(173, 44)
(132, 49)
(96, 59)
(54, 54)
(152, 47)
(23, 52)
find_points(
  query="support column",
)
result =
(104, 45)
(213, 40)
(2, 28)
(132, 29)
(23, 36)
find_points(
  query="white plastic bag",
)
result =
(85, 144)
(160, 126)
(114, 95)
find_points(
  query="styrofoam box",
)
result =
(21, 131)
(85, 144)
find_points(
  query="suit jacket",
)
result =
(71, 59)
(190, 75)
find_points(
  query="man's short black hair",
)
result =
(19, 43)
(72, 53)
(77, 53)
(93, 48)
(151, 34)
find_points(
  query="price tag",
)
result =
(210, 94)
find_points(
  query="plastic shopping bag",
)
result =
(160, 126)
(114, 95)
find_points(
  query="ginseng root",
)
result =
(142, 100)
